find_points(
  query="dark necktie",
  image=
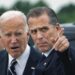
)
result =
(11, 70)
(43, 57)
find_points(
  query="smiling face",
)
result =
(14, 36)
(42, 32)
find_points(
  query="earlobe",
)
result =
(58, 27)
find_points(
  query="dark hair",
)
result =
(38, 11)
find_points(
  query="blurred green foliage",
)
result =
(66, 14)
(22, 6)
(26, 6)
(2, 10)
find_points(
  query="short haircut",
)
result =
(12, 13)
(38, 11)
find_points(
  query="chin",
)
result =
(43, 50)
(16, 55)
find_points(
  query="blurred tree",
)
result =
(2, 10)
(22, 6)
(25, 6)
(67, 14)
(40, 3)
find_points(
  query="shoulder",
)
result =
(69, 57)
(71, 52)
(3, 54)
(68, 60)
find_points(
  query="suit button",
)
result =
(45, 64)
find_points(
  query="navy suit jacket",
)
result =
(32, 62)
(57, 64)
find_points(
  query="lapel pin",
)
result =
(33, 68)
(45, 64)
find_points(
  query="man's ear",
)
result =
(58, 26)
(59, 29)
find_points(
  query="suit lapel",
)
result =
(31, 63)
(3, 63)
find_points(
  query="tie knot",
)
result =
(13, 62)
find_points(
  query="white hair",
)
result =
(11, 14)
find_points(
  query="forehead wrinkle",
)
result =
(12, 24)
(15, 19)
(37, 27)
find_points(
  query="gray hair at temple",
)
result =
(12, 13)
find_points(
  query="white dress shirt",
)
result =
(21, 61)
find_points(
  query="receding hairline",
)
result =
(12, 14)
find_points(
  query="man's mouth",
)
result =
(14, 48)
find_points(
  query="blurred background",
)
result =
(65, 9)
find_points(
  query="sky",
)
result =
(54, 4)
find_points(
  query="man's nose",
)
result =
(39, 35)
(13, 39)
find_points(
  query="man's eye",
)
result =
(33, 31)
(44, 29)
(8, 34)
(18, 34)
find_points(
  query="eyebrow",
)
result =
(39, 28)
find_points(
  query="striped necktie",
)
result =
(11, 70)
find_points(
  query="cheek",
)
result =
(24, 41)
(52, 33)
(48, 35)
(52, 37)
(5, 42)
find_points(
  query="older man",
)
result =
(18, 58)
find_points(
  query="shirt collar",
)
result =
(23, 58)
(46, 53)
